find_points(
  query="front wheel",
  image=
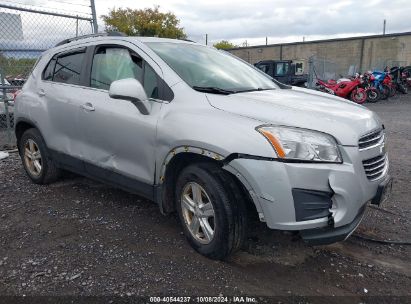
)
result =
(211, 210)
(359, 95)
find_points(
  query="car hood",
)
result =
(302, 108)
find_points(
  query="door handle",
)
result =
(88, 107)
(41, 92)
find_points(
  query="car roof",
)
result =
(104, 38)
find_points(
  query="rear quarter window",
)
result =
(68, 68)
(49, 70)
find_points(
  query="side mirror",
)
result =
(130, 89)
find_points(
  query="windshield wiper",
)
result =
(253, 90)
(213, 90)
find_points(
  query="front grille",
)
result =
(371, 140)
(375, 167)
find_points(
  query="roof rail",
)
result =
(109, 34)
(188, 40)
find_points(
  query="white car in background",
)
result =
(10, 103)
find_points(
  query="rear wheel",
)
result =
(385, 91)
(402, 88)
(392, 91)
(211, 210)
(373, 95)
(36, 159)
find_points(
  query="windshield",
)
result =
(207, 68)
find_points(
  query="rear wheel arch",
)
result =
(21, 127)
(36, 157)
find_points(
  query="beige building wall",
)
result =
(368, 52)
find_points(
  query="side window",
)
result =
(282, 69)
(264, 67)
(150, 82)
(68, 68)
(49, 70)
(114, 63)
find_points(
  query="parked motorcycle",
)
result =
(373, 94)
(399, 79)
(382, 86)
(346, 88)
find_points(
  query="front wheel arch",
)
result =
(180, 161)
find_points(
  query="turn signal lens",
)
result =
(302, 144)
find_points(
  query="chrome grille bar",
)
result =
(371, 140)
(375, 167)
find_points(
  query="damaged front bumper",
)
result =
(322, 200)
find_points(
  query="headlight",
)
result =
(301, 144)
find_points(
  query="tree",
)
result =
(144, 22)
(224, 45)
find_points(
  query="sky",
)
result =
(253, 20)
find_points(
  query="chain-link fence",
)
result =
(381, 64)
(25, 32)
(320, 68)
(324, 69)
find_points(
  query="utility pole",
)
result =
(383, 27)
(266, 40)
(94, 15)
(206, 39)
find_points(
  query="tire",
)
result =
(373, 95)
(359, 95)
(392, 91)
(228, 222)
(402, 88)
(385, 91)
(33, 148)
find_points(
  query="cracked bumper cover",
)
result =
(329, 235)
(271, 184)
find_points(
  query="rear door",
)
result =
(62, 89)
(118, 141)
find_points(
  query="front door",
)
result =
(118, 141)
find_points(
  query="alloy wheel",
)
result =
(198, 212)
(32, 158)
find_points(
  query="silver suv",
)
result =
(201, 132)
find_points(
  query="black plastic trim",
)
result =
(109, 34)
(329, 235)
(234, 156)
(386, 185)
(311, 204)
(107, 176)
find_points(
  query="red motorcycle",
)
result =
(346, 88)
(388, 81)
(373, 94)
